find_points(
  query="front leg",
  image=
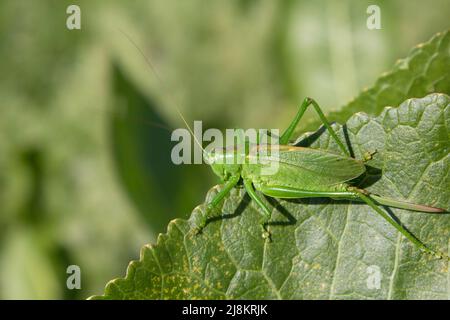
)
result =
(230, 184)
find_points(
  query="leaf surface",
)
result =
(321, 248)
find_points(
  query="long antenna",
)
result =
(162, 83)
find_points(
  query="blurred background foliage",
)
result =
(85, 171)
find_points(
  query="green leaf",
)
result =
(423, 71)
(321, 248)
(141, 143)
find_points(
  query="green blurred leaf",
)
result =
(423, 71)
(141, 145)
(142, 149)
(26, 270)
(321, 249)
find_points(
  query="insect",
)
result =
(303, 173)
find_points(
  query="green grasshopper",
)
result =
(303, 173)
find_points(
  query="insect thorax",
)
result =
(225, 163)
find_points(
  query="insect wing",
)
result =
(312, 168)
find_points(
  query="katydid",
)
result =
(304, 173)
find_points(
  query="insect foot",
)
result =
(368, 155)
(265, 234)
(438, 255)
(197, 230)
(358, 190)
(200, 221)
